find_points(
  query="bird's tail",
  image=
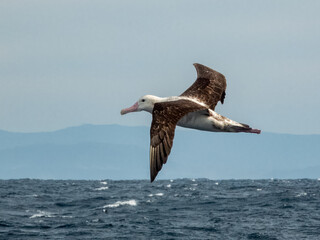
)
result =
(245, 128)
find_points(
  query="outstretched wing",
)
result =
(165, 117)
(209, 88)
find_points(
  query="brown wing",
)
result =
(165, 117)
(210, 86)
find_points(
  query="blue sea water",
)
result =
(165, 209)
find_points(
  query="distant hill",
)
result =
(119, 152)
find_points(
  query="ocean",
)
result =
(165, 209)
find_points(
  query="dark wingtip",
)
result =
(246, 129)
(153, 175)
(200, 67)
(206, 72)
(152, 178)
(222, 97)
(257, 131)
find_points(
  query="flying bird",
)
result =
(194, 108)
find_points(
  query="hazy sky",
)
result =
(66, 63)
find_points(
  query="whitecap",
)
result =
(120, 203)
(101, 188)
(189, 188)
(193, 180)
(169, 185)
(216, 183)
(259, 189)
(302, 194)
(318, 179)
(32, 195)
(171, 180)
(42, 214)
(104, 183)
(156, 194)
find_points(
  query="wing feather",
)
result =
(209, 88)
(165, 116)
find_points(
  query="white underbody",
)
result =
(212, 122)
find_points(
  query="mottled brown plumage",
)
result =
(165, 117)
(192, 109)
(209, 88)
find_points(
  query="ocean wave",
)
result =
(42, 214)
(301, 194)
(65, 211)
(101, 188)
(156, 194)
(120, 203)
(32, 195)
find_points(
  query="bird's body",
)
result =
(208, 120)
(192, 109)
(205, 120)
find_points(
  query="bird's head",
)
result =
(145, 103)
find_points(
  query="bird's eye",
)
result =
(142, 100)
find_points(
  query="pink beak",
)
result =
(133, 108)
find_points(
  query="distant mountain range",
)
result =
(120, 152)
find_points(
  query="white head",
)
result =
(145, 103)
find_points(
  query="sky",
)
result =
(67, 63)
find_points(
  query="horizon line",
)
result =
(131, 126)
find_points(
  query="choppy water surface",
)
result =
(168, 209)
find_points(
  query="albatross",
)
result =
(194, 108)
